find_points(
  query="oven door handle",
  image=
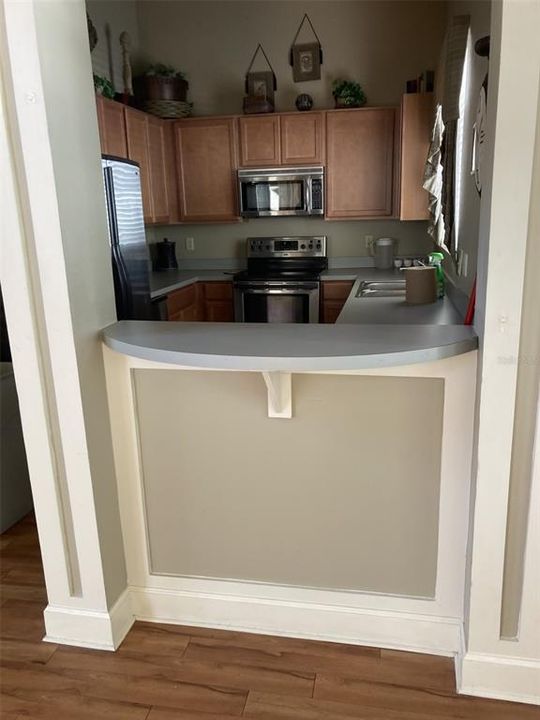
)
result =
(277, 291)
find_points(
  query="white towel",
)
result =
(433, 180)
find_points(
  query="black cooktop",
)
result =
(279, 268)
(291, 275)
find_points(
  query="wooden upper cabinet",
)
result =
(206, 165)
(137, 143)
(302, 140)
(112, 127)
(259, 141)
(170, 168)
(416, 126)
(360, 163)
(158, 169)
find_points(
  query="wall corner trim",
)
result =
(87, 628)
(500, 677)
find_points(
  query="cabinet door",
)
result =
(218, 302)
(112, 127)
(302, 138)
(259, 141)
(416, 126)
(158, 170)
(184, 305)
(333, 297)
(219, 311)
(170, 167)
(360, 156)
(137, 143)
(206, 162)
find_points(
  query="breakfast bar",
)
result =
(342, 452)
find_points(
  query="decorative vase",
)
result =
(304, 102)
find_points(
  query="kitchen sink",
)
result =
(389, 288)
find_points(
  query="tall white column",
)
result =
(505, 534)
(57, 287)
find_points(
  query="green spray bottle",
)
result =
(436, 259)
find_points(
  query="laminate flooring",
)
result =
(170, 672)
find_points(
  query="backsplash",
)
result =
(345, 238)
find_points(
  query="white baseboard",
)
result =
(88, 628)
(500, 677)
(379, 628)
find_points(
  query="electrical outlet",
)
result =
(368, 239)
(190, 244)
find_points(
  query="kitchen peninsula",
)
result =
(286, 478)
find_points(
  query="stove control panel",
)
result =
(299, 246)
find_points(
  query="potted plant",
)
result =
(348, 94)
(104, 87)
(161, 82)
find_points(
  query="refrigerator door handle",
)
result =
(123, 298)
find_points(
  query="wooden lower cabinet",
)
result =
(334, 293)
(185, 304)
(209, 301)
(218, 301)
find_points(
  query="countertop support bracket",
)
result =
(279, 385)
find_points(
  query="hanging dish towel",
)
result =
(433, 180)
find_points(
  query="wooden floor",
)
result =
(167, 672)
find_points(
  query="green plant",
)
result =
(348, 93)
(165, 71)
(103, 86)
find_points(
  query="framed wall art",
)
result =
(306, 62)
(306, 58)
(260, 85)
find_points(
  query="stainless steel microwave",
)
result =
(276, 192)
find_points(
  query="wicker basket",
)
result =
(167, 108)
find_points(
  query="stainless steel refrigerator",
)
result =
(129, 252)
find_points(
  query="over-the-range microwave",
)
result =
(276, 192)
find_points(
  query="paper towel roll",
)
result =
(420, 285)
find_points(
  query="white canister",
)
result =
(383, 252)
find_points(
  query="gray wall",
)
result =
(378, 44)
(343, 495)
(111, 19)
(345, 238)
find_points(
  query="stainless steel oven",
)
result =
(275, 192)
(281, 283)
(277, 301)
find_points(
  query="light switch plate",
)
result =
(190, 244)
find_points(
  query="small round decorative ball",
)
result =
(304, 102)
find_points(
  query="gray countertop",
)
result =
(394, 310)
(287, 347)
(369, 333)
(166, 281)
